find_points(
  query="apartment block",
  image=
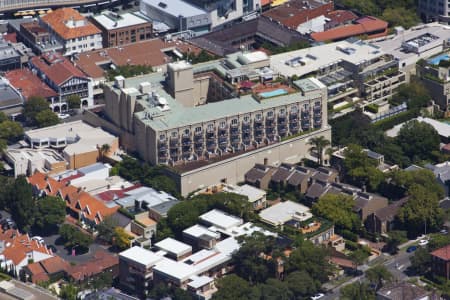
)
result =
(118, 30)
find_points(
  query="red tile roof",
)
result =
(443, 253)
(99, 263)
(115, 194)
(339, 17)
(10, 37)
(18, 245)
(148, 53)
(56, 67)
(59, 20)
(76, 200)
(41, 271)
(371, 26)
(29, 84)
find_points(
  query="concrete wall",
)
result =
(232, 170)
(82, 160)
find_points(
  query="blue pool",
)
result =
(436, 60)
(273, 93)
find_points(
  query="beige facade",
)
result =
(194, 123)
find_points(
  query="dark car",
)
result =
(411, 249)
(53, 248)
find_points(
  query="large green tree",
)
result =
(74, 101)
(232, 287)
(74, 237)
(51, 212)
(21, 203)
(33, 106)
(46, 118)
(357, 291)
(378, 276)
(421, 261)
(10, 130)
(418, 140)
(421, 212)
(337, 208)
(400, 16)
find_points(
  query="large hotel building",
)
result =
(207, 127)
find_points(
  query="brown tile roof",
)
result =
(148, 53)
(29, 84)
(99, 263)
(366, 25)
(443, 253)
(340, 17)
(56, 67)
(59, 20)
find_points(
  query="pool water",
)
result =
(437, 59)
(277, 92)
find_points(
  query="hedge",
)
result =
(402, 117)
(373, 108)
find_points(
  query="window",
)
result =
(246, 118)
(258, 117)
(210, 126)
(222, 124)
(198, 129)
(270, 114)
(162, 137)
(234, 122)
(186, 131)
(174, 134)
(282, 111)
(294, 108)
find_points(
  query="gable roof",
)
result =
(56, 68)
(97, 264)
(59, 20)
(41, 270)
(442, 253)
(45, 183)
(389, 212)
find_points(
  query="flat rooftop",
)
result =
(175, 8)
(180, 116)
(198, 231)
(141, 256)
(282, 212)
(393, 43)
(220, 219)
(173, 246)
(112, 21)
(304, 61)
(252, 193)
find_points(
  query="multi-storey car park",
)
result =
(198, 123)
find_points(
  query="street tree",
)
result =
(10, 131)
(378, 276)
(21, 203)
(33, 106)
(421, 261)
(357, 291)
(46, 118)
(121, 239)
(232, 287)
(74, 101)
(75, 238)
(337, 208)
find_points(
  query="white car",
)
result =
(317, 296)
(423, 243)
(38, 239)
(63, 116)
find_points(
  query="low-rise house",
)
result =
(440, 262)
(256, 197)
(9, 57)
(280, 176)
(64, 78)
(260, 176)
(299, 179)
(159, 211)
(383, 220)
(338, 157)
(200, 237)
(18, 250)
(11, 101)
(50, 269)
(404, 291)
(366, 204)
(174, 249)
(281, 213)
(29, 84)
(442, 173)
(102, 262)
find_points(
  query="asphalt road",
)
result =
(396, 264)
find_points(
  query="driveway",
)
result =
(67, 255)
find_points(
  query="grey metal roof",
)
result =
(175, 7)
(164, 207)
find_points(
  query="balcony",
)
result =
(186, 142)
(282, 130)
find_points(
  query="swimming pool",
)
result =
(277, 92)
(436, 60)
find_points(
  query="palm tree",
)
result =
(318, 144)
(103, 150)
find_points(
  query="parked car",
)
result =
(423, 243)
(317, 296)
(443, 231)
(411, 249)
(63, 116)
(53, 248)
